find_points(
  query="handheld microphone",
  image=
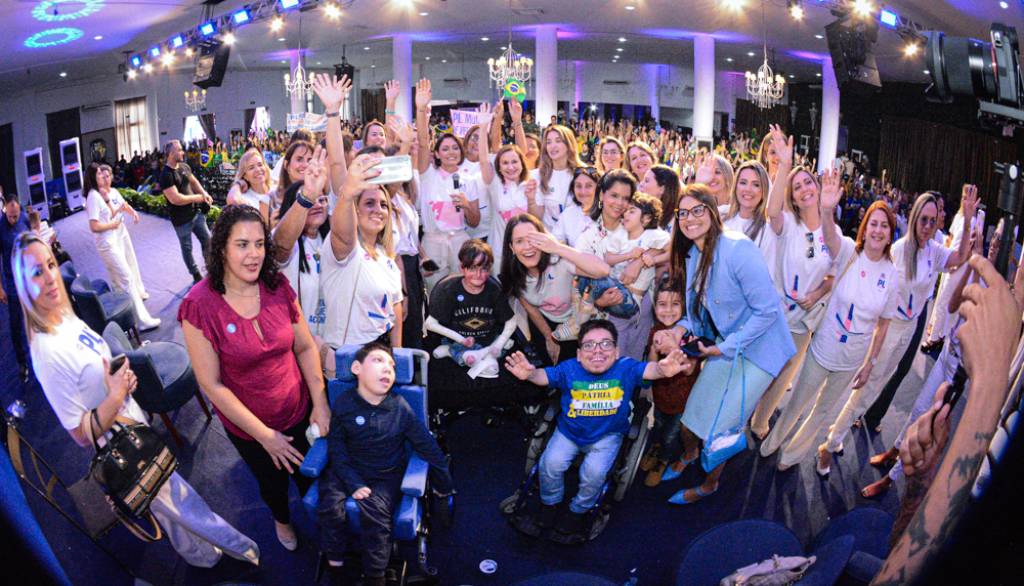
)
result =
(455, 183)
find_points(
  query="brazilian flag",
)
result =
(515, 89)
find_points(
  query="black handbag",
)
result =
(130, 468)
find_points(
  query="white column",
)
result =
(829, 116)
(298, 102)
(578, 94)
(401, 67)
(546, 74)
(703, 87)
(653, 83)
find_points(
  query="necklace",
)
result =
(237, 294)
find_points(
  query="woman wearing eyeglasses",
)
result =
(610, 154)
(805, 270)
(576, 219)
(730, 300)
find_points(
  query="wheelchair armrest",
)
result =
(315, 461)
(640, 409)
(551, 411)
(414, 483)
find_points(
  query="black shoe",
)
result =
(546, 516)
(196, 277)
(570, 529)
(374, 581)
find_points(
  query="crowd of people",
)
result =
(584, 259)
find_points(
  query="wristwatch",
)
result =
(301, 200)
(332, 114)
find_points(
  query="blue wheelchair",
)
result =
(411, 521)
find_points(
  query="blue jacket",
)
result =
(742, 301)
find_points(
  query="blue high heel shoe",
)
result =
(671, 474)
(679, 498)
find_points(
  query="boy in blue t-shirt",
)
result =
(597, 388)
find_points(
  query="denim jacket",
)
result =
(743, 304)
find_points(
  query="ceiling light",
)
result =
(98, 38)
(796, 11)
(332, 12)
(728, 59)
(241, 17)
(286, 4)
(428, 58)
(131, 74)
(1004, 5)
(228, 39)
(911, 49)
(281, 39)
(154, 51)
(373, 67)
(318, 63)
(207, 28)
(620, 49)
(791, 76)
(733, 4)
(485, 39)
(424, 14)
(189, 52)
(863, 7)
(630, 7)
(889, 18)
(750, 53)
(926, 72)
(136, 61)
(819, 36)
(366, 48)
(167, 59)
(818, 74)
(503, 47)
(276, 24)
(284, 61)
(177, 41)
(444, 61)
(622, 39)
(148, 68)
(63, 73)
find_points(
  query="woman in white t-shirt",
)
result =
(746, 210)
(447, 209)
(849, 340)
(919, 260)
(506, 188)
(576, 219)
(559, 159)
(538, 271)
(252, 184)
(804, 272)
(662, 182)
(106, 209)
(360, 282)
(610, 154)
(639, 158)
(293, 168)
(72, 365)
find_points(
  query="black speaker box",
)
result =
(850, 44)
(211, 64)
(344, 68)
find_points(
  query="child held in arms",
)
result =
(366, 444)
(596, 390)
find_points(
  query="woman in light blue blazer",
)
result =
(730, 298)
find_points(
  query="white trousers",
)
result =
(198, 534)
(123, 270)
(941, 319)
(773, 396)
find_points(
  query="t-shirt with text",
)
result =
(594, 405)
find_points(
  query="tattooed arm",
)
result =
(989, 338)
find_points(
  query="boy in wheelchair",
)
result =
(596, 388)
(366, 444)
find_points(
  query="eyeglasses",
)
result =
(697, 211)
(810, 244)
(605, 344)
(927, 221)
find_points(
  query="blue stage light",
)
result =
(207, 28)
(241, 17)
(48, 11)
(154, 51)
(177, 42)
(136, 61)
(288, 4)
(889, 18)
(53, 37)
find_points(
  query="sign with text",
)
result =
(463, 120)
(310, 121)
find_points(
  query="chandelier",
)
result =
(298, 83)
(510, 66)
(195, 100)
(764, 87)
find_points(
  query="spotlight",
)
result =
(136, 61)
(276, 24)
(889, 18)
(863, 8)
(177, 42)
(240, 17)
(593, 107)
(189, 52)
(154, 52)
(1004, 5)
(148, 68)
(207, 28)
(622, 39)
(796, 10)
(630, 7)
(289, 4)
(229, 39)
(485, 39)
(735, 5)
(63, 73)
(167, 59)
(332, 11)
(131, 74)
(98, 38)
(911, 49)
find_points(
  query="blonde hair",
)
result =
(725, 168)
(35, 322)
(600, 149)
(789, 190)
(572, 157)
(386, 237)
(760, 212)
(243, 163)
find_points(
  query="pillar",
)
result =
(577, 96)
(401, 67)
(546, 74)
(829, 116)
(653, 83)
(298, 101)
(704, 87)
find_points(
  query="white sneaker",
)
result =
(145, 326)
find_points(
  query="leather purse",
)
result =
(131, 468)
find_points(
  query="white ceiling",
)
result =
(656, 31)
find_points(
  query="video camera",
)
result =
(989, 71)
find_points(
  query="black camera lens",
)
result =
(961, 66)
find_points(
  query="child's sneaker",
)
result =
(654, 474)
(650, 459)
(583, 309)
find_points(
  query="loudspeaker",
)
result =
(345, 68)
(211, 64)
(850, 44)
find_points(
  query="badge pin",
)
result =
(360, 420)
(231, 328)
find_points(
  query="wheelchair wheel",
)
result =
(509, 505)
(631, 463)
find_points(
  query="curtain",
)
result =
(250, 115)
(373, 103)
(131, 127)
(918, 155)
(209, 123)
(750, 118)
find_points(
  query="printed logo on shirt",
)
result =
(91, 341)
(595, 399)
(360, 420)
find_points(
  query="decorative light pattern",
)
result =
(48, 11)
(510, 65)
(53, 37)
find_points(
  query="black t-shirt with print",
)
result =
(179, 179)
(481, 316)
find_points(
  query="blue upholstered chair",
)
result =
(410, 384)
(98, 309)
(870, 528)
(166, 380)
(68, 273)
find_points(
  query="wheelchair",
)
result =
(415, 511)
(620, 477)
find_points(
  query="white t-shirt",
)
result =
(469, 172)
(553, 295)
(595, 238)
(407, 228)
(572, 224)
(251, 197)
(557, 197)
(97, 209)
(767, 240)
(800, 273)
(914, 294)
(359, 294)
(437, 212)
(620, 243)
(69, 366)
(307, 284)
(504, 200)
(866, 291)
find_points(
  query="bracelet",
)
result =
(390, 113)
(301, 200)
(332, 114)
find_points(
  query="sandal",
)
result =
(675, 470)
(698, 492)
(885, 459)
(877, 488)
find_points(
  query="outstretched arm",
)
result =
(520, 367)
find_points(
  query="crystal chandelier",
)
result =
(195, 100)
(764, 88)
(297, 83)
(510, 65)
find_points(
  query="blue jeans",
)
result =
(558, 456)
(457, 350)
(197, 226)
(625, 310)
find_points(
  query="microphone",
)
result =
(455, 183)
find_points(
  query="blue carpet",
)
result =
(644, 531)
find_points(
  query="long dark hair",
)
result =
(667, 178)
(286, 204)
(681, 246)
(284, 180)
(229, 216)
(89, 181)
(607, 181)
(513, 273)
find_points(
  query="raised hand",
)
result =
(969, 200)
(544, 241)
(499, 110)
(405, 132)
(675, 363)
(517, 364)
(783, 146)
(423, 94)
(359, 173)
(530, 189)
(705, 169)
(391, 90)
(315, 177)
(515, 110)
(831, 188)
(331, 90)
